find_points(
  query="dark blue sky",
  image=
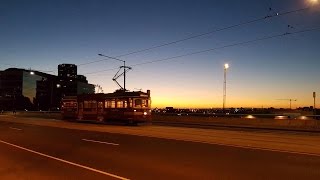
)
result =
(40, 34)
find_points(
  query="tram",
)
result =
(127, 106)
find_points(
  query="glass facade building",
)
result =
(22, 89)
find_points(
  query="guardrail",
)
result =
(242, 120)
(37, 114)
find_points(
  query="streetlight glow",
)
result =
(226, 66)
(31, 72)
(313, 1)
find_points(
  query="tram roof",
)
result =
(117, 94)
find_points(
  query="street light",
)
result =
(313, 1)
(226, 66)
(124, 70)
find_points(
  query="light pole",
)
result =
(124, 69)
(226, 66)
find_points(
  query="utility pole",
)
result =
(124, 75)
(290, 100)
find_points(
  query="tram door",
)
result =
(100, 111)
(80, 111)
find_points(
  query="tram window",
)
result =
(125, 104)
(110, 104)
(100, 104)
(113, 104)
(137, 102)
(144, 103)
(147, 103)
(130, 102)
(90, 104)
(119, 104)
(70, 104)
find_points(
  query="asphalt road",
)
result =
(39, 152)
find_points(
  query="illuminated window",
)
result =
(100, 104)
(119, 104)
(137, 103)
(144, 103)
(110, 103)
(70, 104)
(90, 104)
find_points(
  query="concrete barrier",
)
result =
(302, 123)
(35, 114)
(299, 123)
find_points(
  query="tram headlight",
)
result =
(145, 113)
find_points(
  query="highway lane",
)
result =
(138, 157)
(21, 164)
(304, 143)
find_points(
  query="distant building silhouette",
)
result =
(67, 71)
(22, 89)
(82, 78)
(73, 84)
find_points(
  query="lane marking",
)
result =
(254, 147)
(238, 146)
(15, 128)
(65, 161)
(101, 142)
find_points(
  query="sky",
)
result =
(40, 34)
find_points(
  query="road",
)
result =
(30, 151)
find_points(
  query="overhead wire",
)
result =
(193, 37)
(204, 34)
(221, 47)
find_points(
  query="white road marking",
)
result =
(15, 128)
(65, 161)
(239, 146)
(89, 140)
(129, 131)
